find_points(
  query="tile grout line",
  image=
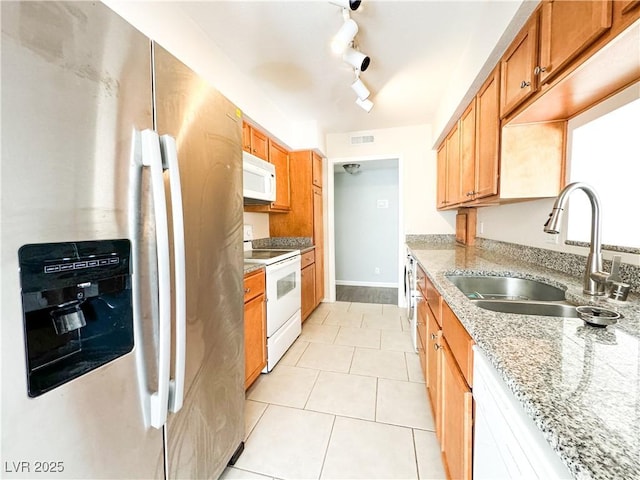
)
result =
(326, 450)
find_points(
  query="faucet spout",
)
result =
(594, 259)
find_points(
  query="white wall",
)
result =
(366, 212)
(413, 145)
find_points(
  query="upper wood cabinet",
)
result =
(316, 169)
(279, 157)
(441, 192)
(487, 158)
(567, 28)
(475, 176)
(449, 181)
(254, 141)
(517, 81)
(305, 216)
(468, 152)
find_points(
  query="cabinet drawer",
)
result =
(459, 342)
(253, 284)
(308, 258)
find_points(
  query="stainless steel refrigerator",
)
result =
(116, 158)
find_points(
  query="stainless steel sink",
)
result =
(530, 308)
(514, 295)
(505, 288)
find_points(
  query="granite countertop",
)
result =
(252, 267)
(579, 384)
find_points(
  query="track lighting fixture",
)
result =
(366, 105)
(350, 4)
(361, 89)
(356, 59)
(343, 39)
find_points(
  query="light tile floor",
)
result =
(347, 401)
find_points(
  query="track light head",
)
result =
(343, 39)
(366, 105)
(350, 4)
(356, 59)
(361, 89)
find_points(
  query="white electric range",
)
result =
(283, 292)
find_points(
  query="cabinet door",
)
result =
(434, 369)
(279, 157)
(246, 137)
(488, 136)
(517, 79)
(457, 415)
(468, 152)
(318, 241)
(422, 309)
(453, 167)
(442, 176)
(567, 28)
(316, 170)
(308, 290)
(259, 144)
(255, 338)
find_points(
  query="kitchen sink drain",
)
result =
(597, 316)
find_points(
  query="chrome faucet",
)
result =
(594, 279)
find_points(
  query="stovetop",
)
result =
(268, 256)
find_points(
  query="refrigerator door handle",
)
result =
(152, 158)
(170, 163)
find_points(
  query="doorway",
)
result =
(365, 230)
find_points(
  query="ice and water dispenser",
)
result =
(76, 299)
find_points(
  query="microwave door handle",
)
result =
(272, 183)
(170, 164)
(151, 158)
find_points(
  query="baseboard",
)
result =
(348, 283)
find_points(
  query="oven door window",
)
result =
(285, 285)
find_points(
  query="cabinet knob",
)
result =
(247, 290)
(471, 193)
(436, 347)
(433, 336)
(525, 84)
(538, 70)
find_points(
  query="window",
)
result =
(604, 151)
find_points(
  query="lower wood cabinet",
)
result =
(308, 284)
(255, 326)
(457, 418)
(444, 348)
(434, 370)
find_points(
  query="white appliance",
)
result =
(283, 291)
(259, 180)
(411, 296)
(90, 110)
(507, 444)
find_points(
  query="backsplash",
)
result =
(283, 242)
(569, 263)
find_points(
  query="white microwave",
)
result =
(258, 180)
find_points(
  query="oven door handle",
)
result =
(286, 263)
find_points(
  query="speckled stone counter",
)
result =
(579, 384)
(252, 267)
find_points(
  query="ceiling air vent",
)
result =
(359, 140)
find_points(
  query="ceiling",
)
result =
(419, 51)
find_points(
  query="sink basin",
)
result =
(506, 288)
(530, 308)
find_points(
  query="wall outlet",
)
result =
(481, 227)
(376, 270)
